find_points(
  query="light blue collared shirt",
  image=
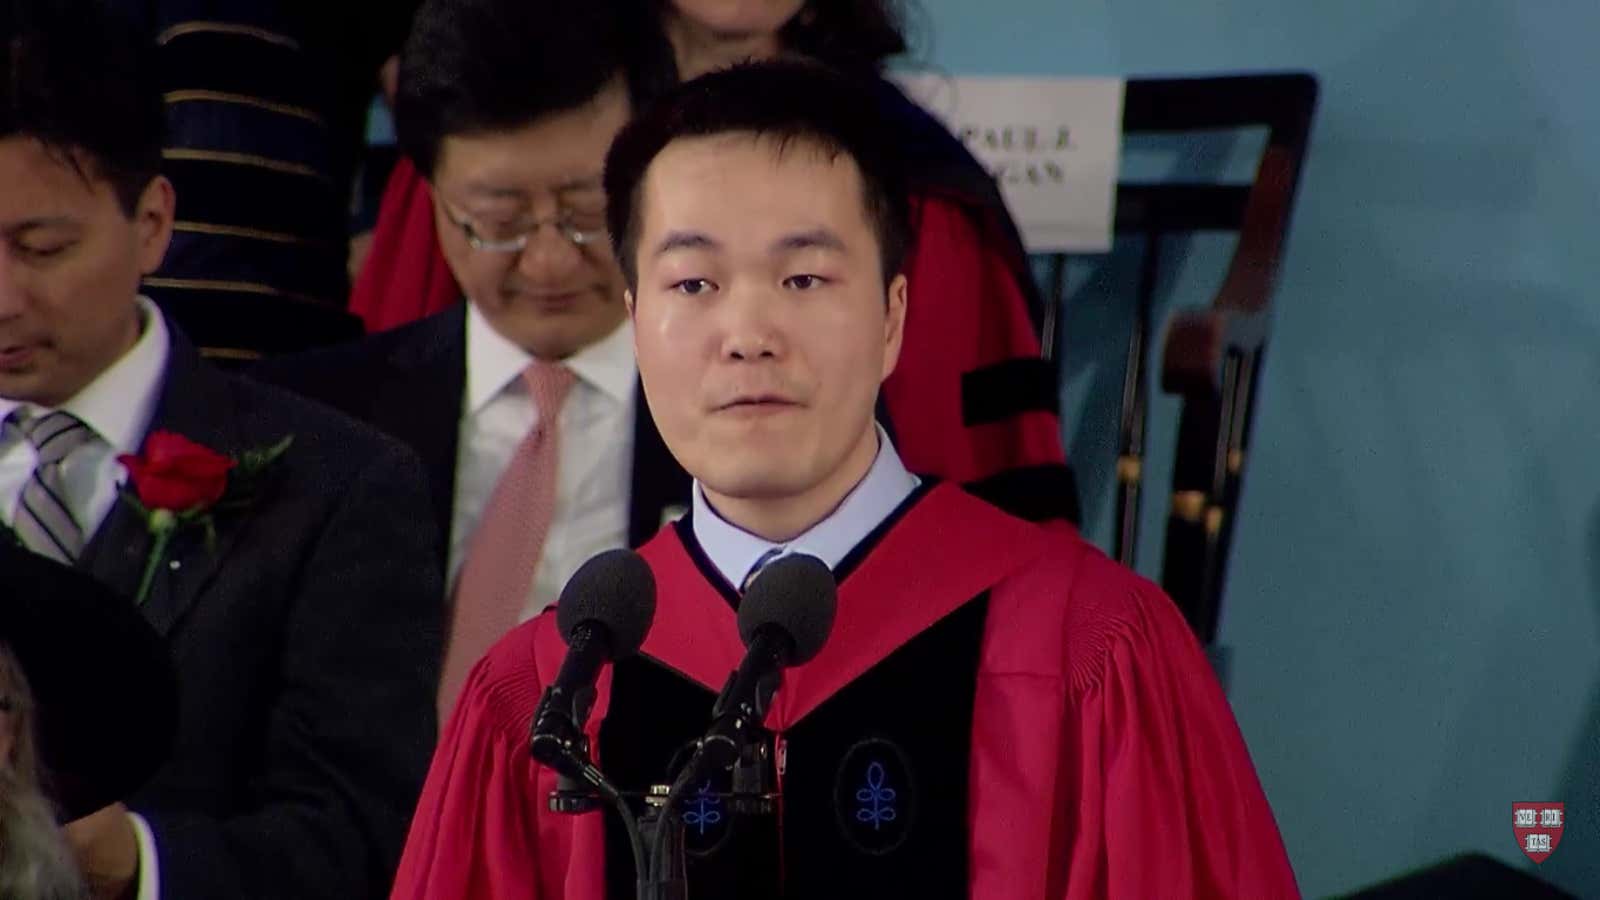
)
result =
(735, 551)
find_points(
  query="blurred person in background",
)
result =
(521, 401)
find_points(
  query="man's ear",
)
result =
(894, 325)
(627, 300)
(153, 218)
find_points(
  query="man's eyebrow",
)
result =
(480, 189)
(815, 239)
(488, 189)
(584, 183)
(685, 240)
(31, 224)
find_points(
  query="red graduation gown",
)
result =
(1104, 761)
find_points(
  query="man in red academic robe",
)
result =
(1000, 711)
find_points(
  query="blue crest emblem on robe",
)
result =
(707, 819)
(875, 797)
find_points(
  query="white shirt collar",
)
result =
(734, 551)
(120, 402)
(493, 362)
(608, 363)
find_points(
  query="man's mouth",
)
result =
(758, 404)
(15, 356)
(551, 300)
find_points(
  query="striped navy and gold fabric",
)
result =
(257, 262)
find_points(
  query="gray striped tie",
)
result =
(44, 520)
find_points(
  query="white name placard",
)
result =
(1052, 143)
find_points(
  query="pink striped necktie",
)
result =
(504, 551)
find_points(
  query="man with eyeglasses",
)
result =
(523, 402)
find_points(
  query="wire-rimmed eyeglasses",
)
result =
(580, 228)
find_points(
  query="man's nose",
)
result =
(750, 325)
(550, 259)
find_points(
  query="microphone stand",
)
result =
(559, 743)
(662, 871)
(736, 740)
(667, 877)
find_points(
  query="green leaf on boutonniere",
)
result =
(253, 462)
(249, 477)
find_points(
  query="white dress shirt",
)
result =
(735, 551)
(117, 406)
(594, 468)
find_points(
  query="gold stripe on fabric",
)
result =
(231, 353)
(241, 287)
(298, 112)
(254, 234)
(183, 28)
(243, 159)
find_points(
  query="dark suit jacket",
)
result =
(307, 645)
(411, 382)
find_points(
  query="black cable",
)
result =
(659, 840)
(630, 823)
(603, 786)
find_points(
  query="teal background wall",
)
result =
(1414, 609)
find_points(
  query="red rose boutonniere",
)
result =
(176, 482)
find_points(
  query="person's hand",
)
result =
(389, 79)
(107, 850)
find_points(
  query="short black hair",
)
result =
(787, 101)
(79, 78)
(480, 66)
